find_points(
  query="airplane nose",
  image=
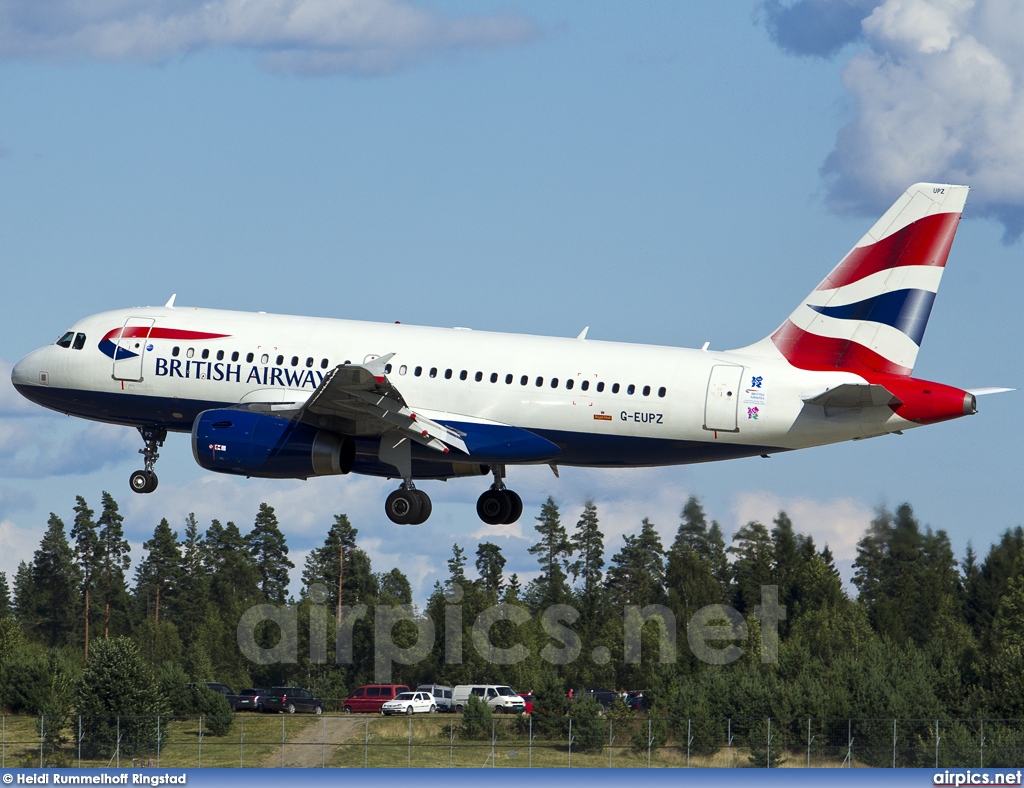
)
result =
(27, 373)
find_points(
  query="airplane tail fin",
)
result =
(870, 313)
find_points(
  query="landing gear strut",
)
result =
(145, 481)
(499, 505)
(408, 506)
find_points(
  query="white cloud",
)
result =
(302, 36)
(938, 95)
(840, 522)
(17, 544)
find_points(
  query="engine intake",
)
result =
(247, 443)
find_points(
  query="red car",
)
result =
(369, 699)
(528, 700)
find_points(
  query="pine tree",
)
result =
(332, 565)
(87, 551)
(114, 561)
(753, 565)
(457, 566)
(553, 551)
(393, 588)
(158, 574)
(267, 546)
(233, 575)
(689, 571)
(24, 594)
(188, 606)
(55, 579)
(489, 564)
(587, 544)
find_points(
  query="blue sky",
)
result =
(667, 173)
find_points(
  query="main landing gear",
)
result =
(408, 506)
(145, 481)
(499, 506)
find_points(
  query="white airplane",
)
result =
(293, 397)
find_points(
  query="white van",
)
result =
(442, 695)
(501, 699)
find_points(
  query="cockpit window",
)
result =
(65, 341)
(79, 341)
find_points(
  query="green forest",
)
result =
(927, 636)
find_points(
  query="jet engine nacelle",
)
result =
(248, 443)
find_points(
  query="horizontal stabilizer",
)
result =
(852, 395)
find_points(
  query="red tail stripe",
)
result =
(924, 242)
(809, 351)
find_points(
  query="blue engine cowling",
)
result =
(248, 443)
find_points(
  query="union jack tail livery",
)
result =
(870, 313)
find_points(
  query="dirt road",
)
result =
(315, 743)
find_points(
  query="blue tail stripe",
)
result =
(904, 310)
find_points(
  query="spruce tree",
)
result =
(267, 546)
(158, 574)
(553, 551)
(188, 606)
(489, 564)
(587, 543)
(753, 565)
(689, 571)
(234, 578)
(636, 575)
(24, 595)
(332, 566)
(457, 566)
(6, 606)
(87, 552)
(114, 561)
(55, 579)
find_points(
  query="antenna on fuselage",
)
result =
(170, 301)
(583, 333)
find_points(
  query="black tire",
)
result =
(433, 709)
(458, 709)
(142, 481)
(403, 507)
(425, 507)
(517, 507)
(347, 710)
(318, 710)
(409, 710)
(260, 708)
(494, 507)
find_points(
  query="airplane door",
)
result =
(723, 398)
(130, 348)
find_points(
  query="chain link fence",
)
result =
(448, 740)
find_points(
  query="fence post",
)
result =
(936, 744)
(42, 733)
(894, 740)
(323, 749)
(728, 746)
(982, 766)
(531, 741)
(570, 742)
(849, 744)
(80, 741)
(366, 745)
(282, 741)
(809, 740)
(3, 741)
(689, 740)
(768, 743)
(451, 742)
(157, 739)
(650, 741)
(200, 741)
(611, 742)
(241, 741)
(494, 740)
(409, 761)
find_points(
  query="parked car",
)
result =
(291, 700)
(220, 689)
(527, 701)
(410, 703)
(605, 697)
(501, 699)
(442, 695)
(369, 698)
(636, 701)
(250, 699)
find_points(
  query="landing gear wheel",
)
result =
(494, 507)
(143, 481)
(517, 507)
(425, 507)
(403, 506)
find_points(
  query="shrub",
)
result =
(476, 719)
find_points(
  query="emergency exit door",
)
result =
(723, 398)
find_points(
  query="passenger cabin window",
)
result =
(220, 355)
(508, 379)
(280, 360)
(418, 371)
(387, 369)
(585, 385)
(661, 392)
(206, 353)
(615, 388)
(295, 361)
(79, 341)
(478, 376)
(524, 380)
(447, 374)
(234, 355)
(309, 362)
(647, 391)
(65, 341)
(631, 389)
(463, 375)
(600, 385)
(175, 351)
(494, 377)
(190, 352)
(569, 384)
(540, 381)
(249, 357)
(323, 363)
(554, 383)
(264, 359)
(433, 372)
(403, 369)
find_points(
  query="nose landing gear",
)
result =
(499, 505)
(145, 481)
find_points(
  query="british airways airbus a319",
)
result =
(293, 397)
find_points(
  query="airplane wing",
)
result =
(852, 395)
(362, 393)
